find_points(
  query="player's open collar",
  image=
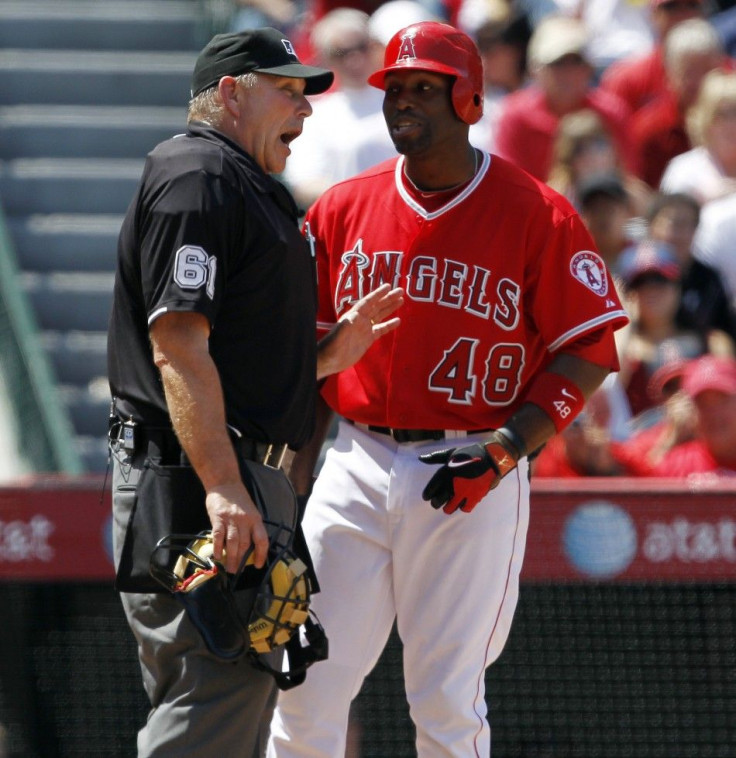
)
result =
(421, 211)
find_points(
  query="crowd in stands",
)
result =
(626, 108)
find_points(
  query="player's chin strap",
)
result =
(300, 656)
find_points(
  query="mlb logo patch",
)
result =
(588, 267)
(288, 47)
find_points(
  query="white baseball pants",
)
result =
(450, 581)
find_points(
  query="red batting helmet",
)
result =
(432, 46)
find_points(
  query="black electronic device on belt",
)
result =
(128, 436)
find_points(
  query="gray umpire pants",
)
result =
(201, 706)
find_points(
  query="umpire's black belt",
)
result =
(162, 442)
(417, 435)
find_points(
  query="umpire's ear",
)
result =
(230, 94)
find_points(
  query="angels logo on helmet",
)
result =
(406, 49)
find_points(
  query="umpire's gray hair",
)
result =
(207, 106)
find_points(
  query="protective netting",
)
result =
(590, 671)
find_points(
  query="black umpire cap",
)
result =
(266, 50)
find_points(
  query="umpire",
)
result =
(212, 359)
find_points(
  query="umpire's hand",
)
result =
(358, 329)
(236, 525)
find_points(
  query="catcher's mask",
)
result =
(254, 611)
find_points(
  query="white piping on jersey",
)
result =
(586, 327)
(156, 314)
(414, 205)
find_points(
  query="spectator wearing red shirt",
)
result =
(562, 84)
(691, 50)
(640, 80)
(582, 449)
(587, 447)
(710, 382)
(669, 422)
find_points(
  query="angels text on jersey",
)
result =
(449, 283)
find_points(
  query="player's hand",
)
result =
(468, 473)
(236, 526)
(358, 328)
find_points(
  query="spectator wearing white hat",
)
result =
(562, 84)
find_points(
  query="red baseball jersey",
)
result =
(498, 276)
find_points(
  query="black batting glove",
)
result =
(468, 473)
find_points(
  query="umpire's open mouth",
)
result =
(288, 137)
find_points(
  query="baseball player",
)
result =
(420, 511)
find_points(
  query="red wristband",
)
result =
(558, 397)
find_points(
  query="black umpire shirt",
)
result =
(209, 232)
